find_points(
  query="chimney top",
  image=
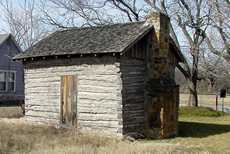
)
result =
(157, 19)
(160, 21)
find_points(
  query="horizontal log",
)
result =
(56, 77)
(133, 108)
(137, 118)
(43, 120)
(131, 63)
(70, 70)
(42, 99)
(43, 90)
(42, 114)
(97, 89)
(97, 116)
(101, 96)
(98, 109)
(42, 109)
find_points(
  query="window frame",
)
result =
(14, 72)
(7, 80)
(5, 72)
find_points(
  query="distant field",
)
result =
(204, 99)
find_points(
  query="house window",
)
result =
(7, 81)
(2, 81)
(11, 81)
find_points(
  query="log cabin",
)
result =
(115, 79)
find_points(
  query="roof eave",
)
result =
(138, 38)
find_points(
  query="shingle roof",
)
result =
(103, 39)
(3, 37)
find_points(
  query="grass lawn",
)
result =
(209, 130)
(198, 133)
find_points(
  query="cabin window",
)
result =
(2, 81)
(7, 81)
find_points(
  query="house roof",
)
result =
(102, 39)
(91, 40)
(4, 37)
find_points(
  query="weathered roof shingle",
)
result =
(103, 39)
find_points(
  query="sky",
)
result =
(4, 28)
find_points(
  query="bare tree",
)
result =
(221, 26)
(22, 22)
(92, 12)
(72, 13)
(217, 43)
(193, 18)
(213, 69)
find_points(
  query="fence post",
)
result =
(222, 104)
(217, 101)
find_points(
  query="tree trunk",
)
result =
(193, 100)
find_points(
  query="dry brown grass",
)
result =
(11, 112)
(24, 138)
(197, 135)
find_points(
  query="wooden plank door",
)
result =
(68, 99)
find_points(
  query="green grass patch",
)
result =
(200, 112)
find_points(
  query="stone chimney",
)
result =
(161, 92)
(160, 21)
(158, 66)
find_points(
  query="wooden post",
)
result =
(217, 101)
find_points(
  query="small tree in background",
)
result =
(23, 22)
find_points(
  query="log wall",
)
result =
(133, 81)
(99, 101)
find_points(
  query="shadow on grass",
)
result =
(199, 130)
